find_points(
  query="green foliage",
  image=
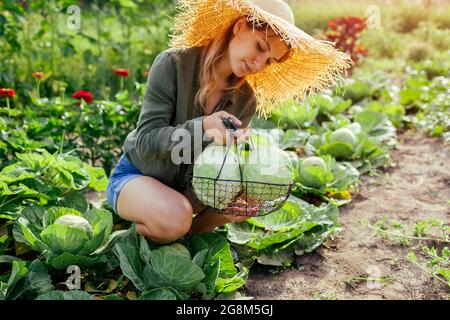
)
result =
(92, 132)
(62, 244)
(275, 239)
(43, 210)
(42, 36)
(26, 281)
(46, 179)
(367, 150)
(427, 239)
(205, 268)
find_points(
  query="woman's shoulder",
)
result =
(179, 57)
(193, 51)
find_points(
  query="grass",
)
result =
(355, 281)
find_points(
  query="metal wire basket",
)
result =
(232, 196)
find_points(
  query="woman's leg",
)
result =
(161, 213)
(207, 219)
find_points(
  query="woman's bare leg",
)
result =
(161, 213)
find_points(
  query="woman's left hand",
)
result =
(243, 134)
(233, 218)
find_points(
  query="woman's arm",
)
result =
(153, 140)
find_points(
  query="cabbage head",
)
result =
(265, 165)
(355, 127)
(217, 194)
(64, 236)
(314, 173)
(341, 144)
(76, 222)
(344, 135)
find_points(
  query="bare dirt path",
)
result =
(417, 188)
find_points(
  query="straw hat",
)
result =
(314, 65)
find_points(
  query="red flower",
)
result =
(4, 92)
(146, 73)
(332, 25)
(122, 72)
(85, 95)
(37, 75)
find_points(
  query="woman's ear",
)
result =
(239, 25)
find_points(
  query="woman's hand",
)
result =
(216, 130)
(208, 220)
(227, 218)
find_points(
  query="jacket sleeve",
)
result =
(154, 133)
(249, 111)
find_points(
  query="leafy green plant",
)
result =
(275, 239)
(215, 160)
(326, 178)
(436, 264)
(293, 115)
(26, 281)
(267, 164)
(433, 257)
(43, 178)
(202, 268)
(65, 295)
(357, 89)
(65, 236)
(366, 148)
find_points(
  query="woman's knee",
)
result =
(175, 222)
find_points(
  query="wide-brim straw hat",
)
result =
(313, 66)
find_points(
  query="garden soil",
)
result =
(417, 187)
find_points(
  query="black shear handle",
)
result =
(229, 124)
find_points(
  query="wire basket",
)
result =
(233, 196)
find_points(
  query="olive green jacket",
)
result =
(169, 105)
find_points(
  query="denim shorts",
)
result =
(123, 172)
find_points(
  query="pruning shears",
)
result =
(230, 125)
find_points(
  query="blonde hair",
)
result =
(212, 55)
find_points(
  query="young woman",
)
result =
(230, 58)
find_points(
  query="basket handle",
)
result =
(230, 125)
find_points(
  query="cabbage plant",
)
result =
(314, 172)
(65, 236)
(325, 178)
(364, 142)
(275, 239)
(201, 266)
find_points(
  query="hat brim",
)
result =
(314, 65)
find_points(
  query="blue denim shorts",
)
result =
(123, 172)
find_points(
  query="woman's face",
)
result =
(252, 51)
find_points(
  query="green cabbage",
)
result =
(314, 172)
(208, 165)
(265, 165)
(65, 236)
(76, 222)
(357, 90)
(341, 145)
(344, 135)
(355, 127)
